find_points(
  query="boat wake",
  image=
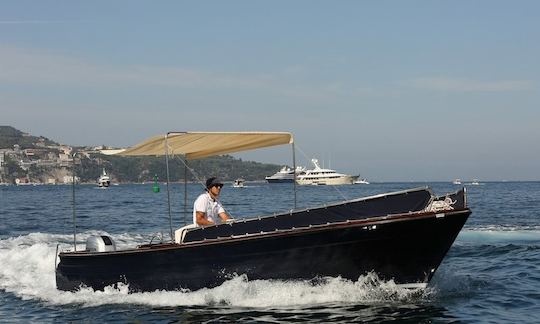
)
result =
(28, 272)
(501, 234)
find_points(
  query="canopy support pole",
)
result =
(185, 190)
(73, 204)
(294, 173)
(168, 190)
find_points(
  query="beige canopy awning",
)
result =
(197, 145)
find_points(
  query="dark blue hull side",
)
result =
(407, 248)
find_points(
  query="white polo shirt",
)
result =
(212, 208)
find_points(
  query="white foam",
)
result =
(499, 234)
(505, 228)
(28, 272)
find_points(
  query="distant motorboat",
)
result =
(285, 175)
(320, 176)
(457, 181)
(475, 182)
(104, 180)
(361, 181)
(238, 183)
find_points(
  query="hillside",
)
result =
(40, 160)
(10, 136)
(141, 169)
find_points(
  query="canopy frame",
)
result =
(254, 140)
(197, 145)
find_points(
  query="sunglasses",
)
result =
(218, 185)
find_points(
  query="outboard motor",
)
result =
(101, 243)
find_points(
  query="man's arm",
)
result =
(222, 213)
(224, 216)
(201, 219)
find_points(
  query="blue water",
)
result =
(491, 274)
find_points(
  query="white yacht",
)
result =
(320, 176)
(238, 183)
(475, 182)
(286, 174)
(104, 180)
(457, 181)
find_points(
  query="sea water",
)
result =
(491, 273)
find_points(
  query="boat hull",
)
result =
(406, 248)
(104, 184)
(282, 180)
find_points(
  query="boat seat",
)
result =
(180, 233)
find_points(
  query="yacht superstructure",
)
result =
(286, 174)
(320, 176)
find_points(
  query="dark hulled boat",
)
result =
(402, 236)
(347, 240)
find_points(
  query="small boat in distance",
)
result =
(104, 180)
(238, 183)
(320, 176)
(285, 175)
(457, 181)
(361, 181)
(475, 182)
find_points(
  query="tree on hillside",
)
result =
(10, 136)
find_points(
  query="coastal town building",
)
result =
(27, 159)
(56, 158)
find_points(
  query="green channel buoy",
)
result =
(155, 187)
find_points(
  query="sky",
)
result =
(390, 90)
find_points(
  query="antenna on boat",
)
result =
(73, 203)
